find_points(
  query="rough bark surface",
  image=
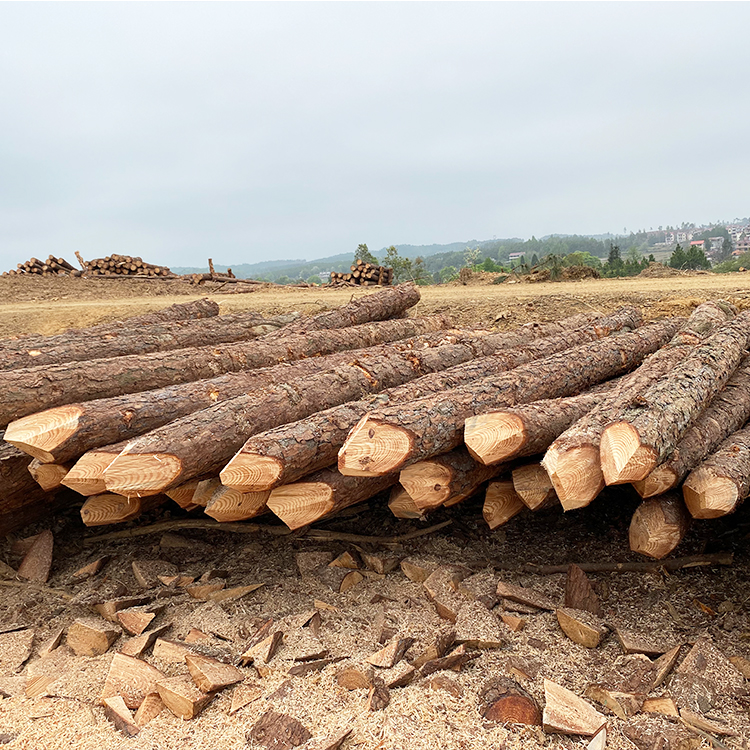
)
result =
(288, 453)
(404, 434)
(446, 479)
(154, 338)
(667, 408)
(659, 525)
(572, 460)
(722, 481)
(321, 494)
(15, 478)
(67, 432)
(728, 411)
(32, 389)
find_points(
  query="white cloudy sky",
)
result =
(253, 131)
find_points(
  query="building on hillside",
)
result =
(516, 256)
(743, 243)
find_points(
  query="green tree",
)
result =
(314, 279)
(471, 256)
(678, 259)
(726, 250)
(449, 273)
(420, 274)
(490, 265)
(365, 255)
(534, 260)
(402, 270)
(696, 259)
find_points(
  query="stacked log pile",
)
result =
(329, 411)
(363, 274)
(124, 265)
(51, 267)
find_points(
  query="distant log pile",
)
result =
(51, 267)
(124, 265)
(331, 410)
(363, 274)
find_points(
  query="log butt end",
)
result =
(623, 457)
(658, 526)
(250, 472)
(142, 473)
(228, 505)
(428, 483)
(301, 503)
(575, 474)
(87, 475)
(709, 496)
(491, 438)
(660, 480)
(40, 433)
(501, 503)
(402, 505)
(374, 448)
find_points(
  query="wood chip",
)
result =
(182, 697)
(566, 713)
(620, 704)
(203, 591)
(742, 665)
(418, 569)
(15, 649)
(663, 705)
(147, 572)
(659, 733)
(354, 679)
(91, 569)
(581, 626)
(579, 593)
(119, 714)
(37, 562)
(381, 563)
(526, 596)
(339, 580)
(349, 560)
(701, 722)
(243, 695)
(109, 608)
(141, 643)
(705, 660)
(313, 666)
(443, 682)
(401, 675)
(477, 627)
(636, 643)
(379, 696)
(333, 742)
(276, 731)
(39, 685)
(516, 624)
(438, 648)
(263, 652)
(233, 594)
(171, 652)
(151, 707)
(90, 637)
(210, 674)
(132, 679)
(505, 701)
(135, 621)
(390, 655)
(454, 661)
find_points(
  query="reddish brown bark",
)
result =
(287, 453)
(391, 438)
(32, 389)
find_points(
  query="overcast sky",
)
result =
(257, 131)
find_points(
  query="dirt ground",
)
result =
(672, 608)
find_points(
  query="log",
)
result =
(227, 504)
(203, 442)
(32, 389)
(288, 453)
(658, 525)
(301, 503)
(160, 337)
(501, 503)
(572, 461)
(100, 510)
(646, 432)
(401, 504)
(717, 486)
(445, 480)
(390, 438)
(728, 411)
(48, 476)
(533, 486)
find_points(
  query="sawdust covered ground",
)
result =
(677, 608)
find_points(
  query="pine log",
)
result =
(728, 411)
(527, 429)
(32, 389)
(183, 495)
(445, 480)
(322, 493)
(227, 504)
(48, 476)
(401, 504)
(204, 441)
(390, 438)
(718, 485)
(287, 453)
(572, 461)
(658, 525)
(501, 503)
(160, 337)
(533, 485)
(646, 432)
(100, 510)
(15, 480)
(67, 432)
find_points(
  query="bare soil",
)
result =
(677, 608)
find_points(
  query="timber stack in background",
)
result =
(305, 416)
(51, 267)
(363, 274)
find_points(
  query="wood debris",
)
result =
(90, 637)
(505, 701)
(182, 697)
(566, 713)
(132, 679)
(276, 731)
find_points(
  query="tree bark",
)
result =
(288, 453)
(572, 460)
(718, 485)
(321, 494)
(729, 411)
(154, 338)
(65, 433)
(446, 479)
(15, 478)
(501, 503)
(646, 432)
(659, 525)
(32, 389)
(527, 429)
(391, 438)
(200, 308)
(533, 485)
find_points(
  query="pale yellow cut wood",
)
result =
(48, 476)
(418, 569)
(210, 674)
(172, 652)
(659, 481)
(90, 637)
(151, 707)
(575, 474)
(620, 704)
(300, 503)
(227, 504)
(86, 477)
(709, 496)
(501, 503)
(623, 458)
(491, 438)
(533, 485)
(658, 525)
(109, 609)
(663, 705)
(582, 627)
(236, 592)
(251, 473)
(142, 473)
(131, 678)
(138, 645)
(516, 624)
(39, 433)
(402, 505)
(243, 695)
(119, 714)
(263, 652)
(135, 621)
(391, 654)
(183, 494)
(373, 448)
(566, 713)
(100, 510)
(347, 560)
(204, 491)
(182, 698)
(428, 483)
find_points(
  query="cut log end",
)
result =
(491, 438)
(533, 485)
(428, 483)
(48, 476)
(501, 503)
(402, 505)
(87, 475)
(623, 457)
(40, 433)
(373, 449)
(658, 526)
(249, 472)
(709, 496)
(142, 473)
(301, 503)
(575, 475)
(100, 510)
(660, 480)
(227, 504)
